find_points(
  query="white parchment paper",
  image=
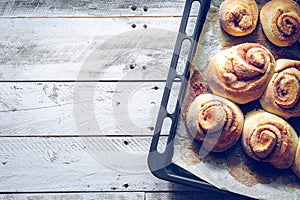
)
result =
(233, 170)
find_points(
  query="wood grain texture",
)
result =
(103, 8)
(80, 108)
(70, 164)
(86, 49)
(76, 196)
(183, 195)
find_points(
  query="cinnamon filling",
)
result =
(238, 19)
(286, 25)
(215, 116)
(287, 88)
(263, 143)
(252, 65)
(267, 140)
(198, 88)
(257, 57)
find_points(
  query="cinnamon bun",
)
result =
(241, 73)
(215, 121)
(269, 138)
(282, 96)
(238, 18)
(280, 21)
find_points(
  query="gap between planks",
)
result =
(86, 81)
(80, 136)
(100, 17)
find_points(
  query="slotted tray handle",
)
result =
(160, 164)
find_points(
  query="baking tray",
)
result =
(161, 164)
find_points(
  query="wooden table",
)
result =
(81, 84)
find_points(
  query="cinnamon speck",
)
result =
(198, 88)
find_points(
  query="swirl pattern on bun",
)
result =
(280, 21)
(215, 121)
(238, 18)
(241, 73)
(269, 138)
(282, 96)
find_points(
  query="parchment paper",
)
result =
(233, 170)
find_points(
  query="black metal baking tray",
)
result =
(169, 164)
(160, 164)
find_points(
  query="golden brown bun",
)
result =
(241, 73)
(238, 18)
(269, 138)
(280, 21)
(296, 165)
(282, 96)
(216, 121)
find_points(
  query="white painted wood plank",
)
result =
(80, 108)
(60, 164)
(182, 195)
(12, 8)
(86, 49)
(76, 196)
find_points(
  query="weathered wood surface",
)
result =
(80, 108)
(95, 8)
(85, 49)
(184, 195)
(77, 196)
(113, 166)
(60, 164)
